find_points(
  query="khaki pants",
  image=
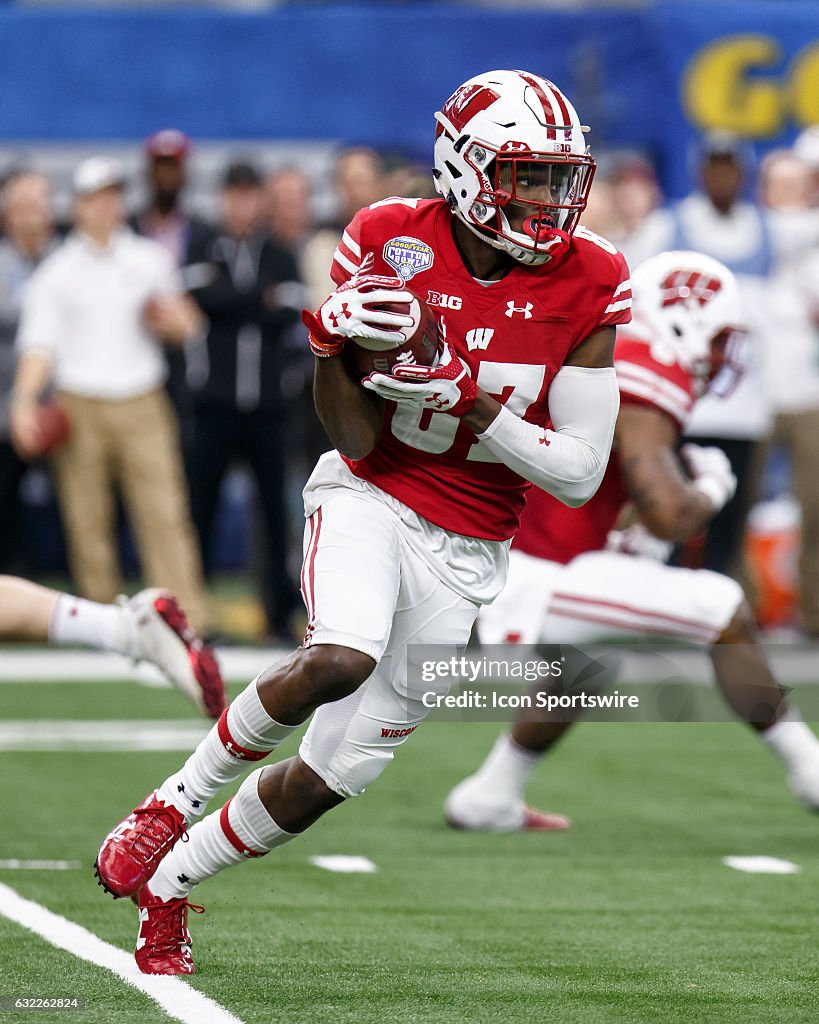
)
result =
(799, 432)
(131, 445)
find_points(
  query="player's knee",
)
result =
(329, 672)
(311, 790)
(351, 771)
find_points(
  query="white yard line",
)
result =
(344, 864)
(13, 864)
(791, 663)
(177, 999)
(103, 735)
(762, 865)
(67, 665)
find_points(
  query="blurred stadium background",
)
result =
(294, 83)
(631, 919)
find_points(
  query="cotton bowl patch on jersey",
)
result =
(408, 256)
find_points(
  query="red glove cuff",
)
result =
(322, 343)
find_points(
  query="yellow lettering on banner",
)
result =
(718, 92)
(805, 86)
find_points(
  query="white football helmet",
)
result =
(509, 144)
(688, 306)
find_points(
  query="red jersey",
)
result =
(513, 335)
(648, 376)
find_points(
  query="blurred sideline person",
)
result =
(28, 237)
(150, 627)
(165, 220)
(93, 315)
(358, 181)
(574, 580)
(791, 364)
(409, 520)
(250, 291)
(288, 210)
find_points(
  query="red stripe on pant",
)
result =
(308, 573)
(231, 836)
(232, 747)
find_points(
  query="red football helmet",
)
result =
(512, 161)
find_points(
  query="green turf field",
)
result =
(630, 918)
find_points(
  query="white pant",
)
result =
(366, 588)
(602, 594)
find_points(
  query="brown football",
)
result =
(53, 427)
(369, 355)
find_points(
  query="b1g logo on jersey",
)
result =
(409, 256)
(444, 301)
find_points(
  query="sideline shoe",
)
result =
(544, 821)
(161, 634)
(131, 852)
(164, 942)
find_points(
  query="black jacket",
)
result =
(250, 291)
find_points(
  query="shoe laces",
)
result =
(169, 918)
(152, 831)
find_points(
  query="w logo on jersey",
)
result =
(682, 285)
(525, 311)
(479, 338)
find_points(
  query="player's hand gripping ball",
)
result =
(377, 322)
(416, 345)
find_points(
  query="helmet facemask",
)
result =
(535, 202)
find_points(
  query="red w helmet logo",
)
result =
(682, 285)
(466, 102)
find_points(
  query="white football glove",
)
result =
(638, 541)
(712, 473)
(347, 313)
(444, 387)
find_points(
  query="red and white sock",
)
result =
(244, 734)
(77, 621)
(241, 830)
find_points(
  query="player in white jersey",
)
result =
(148, 627)
(409, 520)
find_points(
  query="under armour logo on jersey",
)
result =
(544, 439)
(526, 310)
(479, 338)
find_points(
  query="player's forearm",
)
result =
(32, 376)
(351, 416)
(569, 461)
(679, 519)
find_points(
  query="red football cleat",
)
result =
(161, 634)
(164, 942)
(131, 852)
(541, 821)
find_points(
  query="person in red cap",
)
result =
(165, 220)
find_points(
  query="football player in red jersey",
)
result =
(573, 579)
(409, 520)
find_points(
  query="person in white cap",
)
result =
(93, 320)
